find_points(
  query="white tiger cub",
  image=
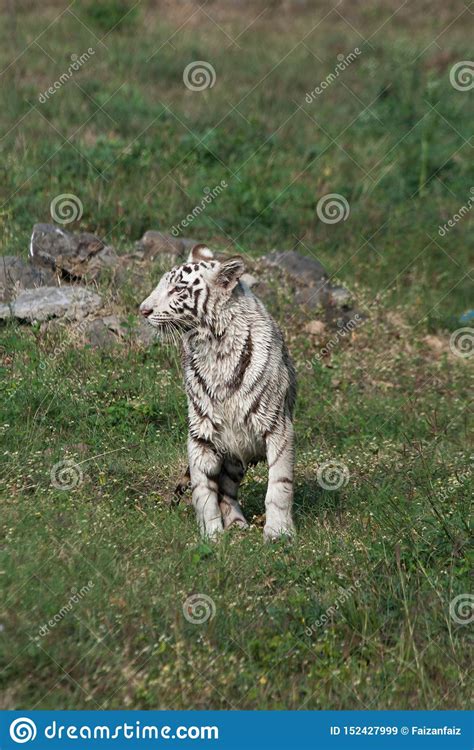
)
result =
(241, 388)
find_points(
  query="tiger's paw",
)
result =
(282, 530)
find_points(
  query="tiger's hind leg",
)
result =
(230, 477)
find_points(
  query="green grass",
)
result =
(387, 403)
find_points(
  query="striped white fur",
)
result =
(240, 384)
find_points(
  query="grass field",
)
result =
(356, 613)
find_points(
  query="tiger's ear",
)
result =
(200, 252)
(230, 272)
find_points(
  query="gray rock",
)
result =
(145, 334)
(249, 280)
(313, 288)
(312, 296)
(114, 323)
(108, 330)
(339, 296)
(17, 274)
(71, 302)
(76, 255)
(99, 334)
(154, 244)
(96, 264)
(302, 268)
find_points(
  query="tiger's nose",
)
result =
(146, 311)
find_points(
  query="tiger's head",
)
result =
(188, 295)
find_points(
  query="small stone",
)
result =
(71, 302)
(249, 280)
(312, 297)
(114, 323)
(17, 274)
(339, 296)
(315, 327)
(99, 335)
(145, 334)
(154, 244)
(303, 268)
(105, 258)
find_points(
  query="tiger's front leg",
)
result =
(279, 497)
(204, 466)
(231, 475)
